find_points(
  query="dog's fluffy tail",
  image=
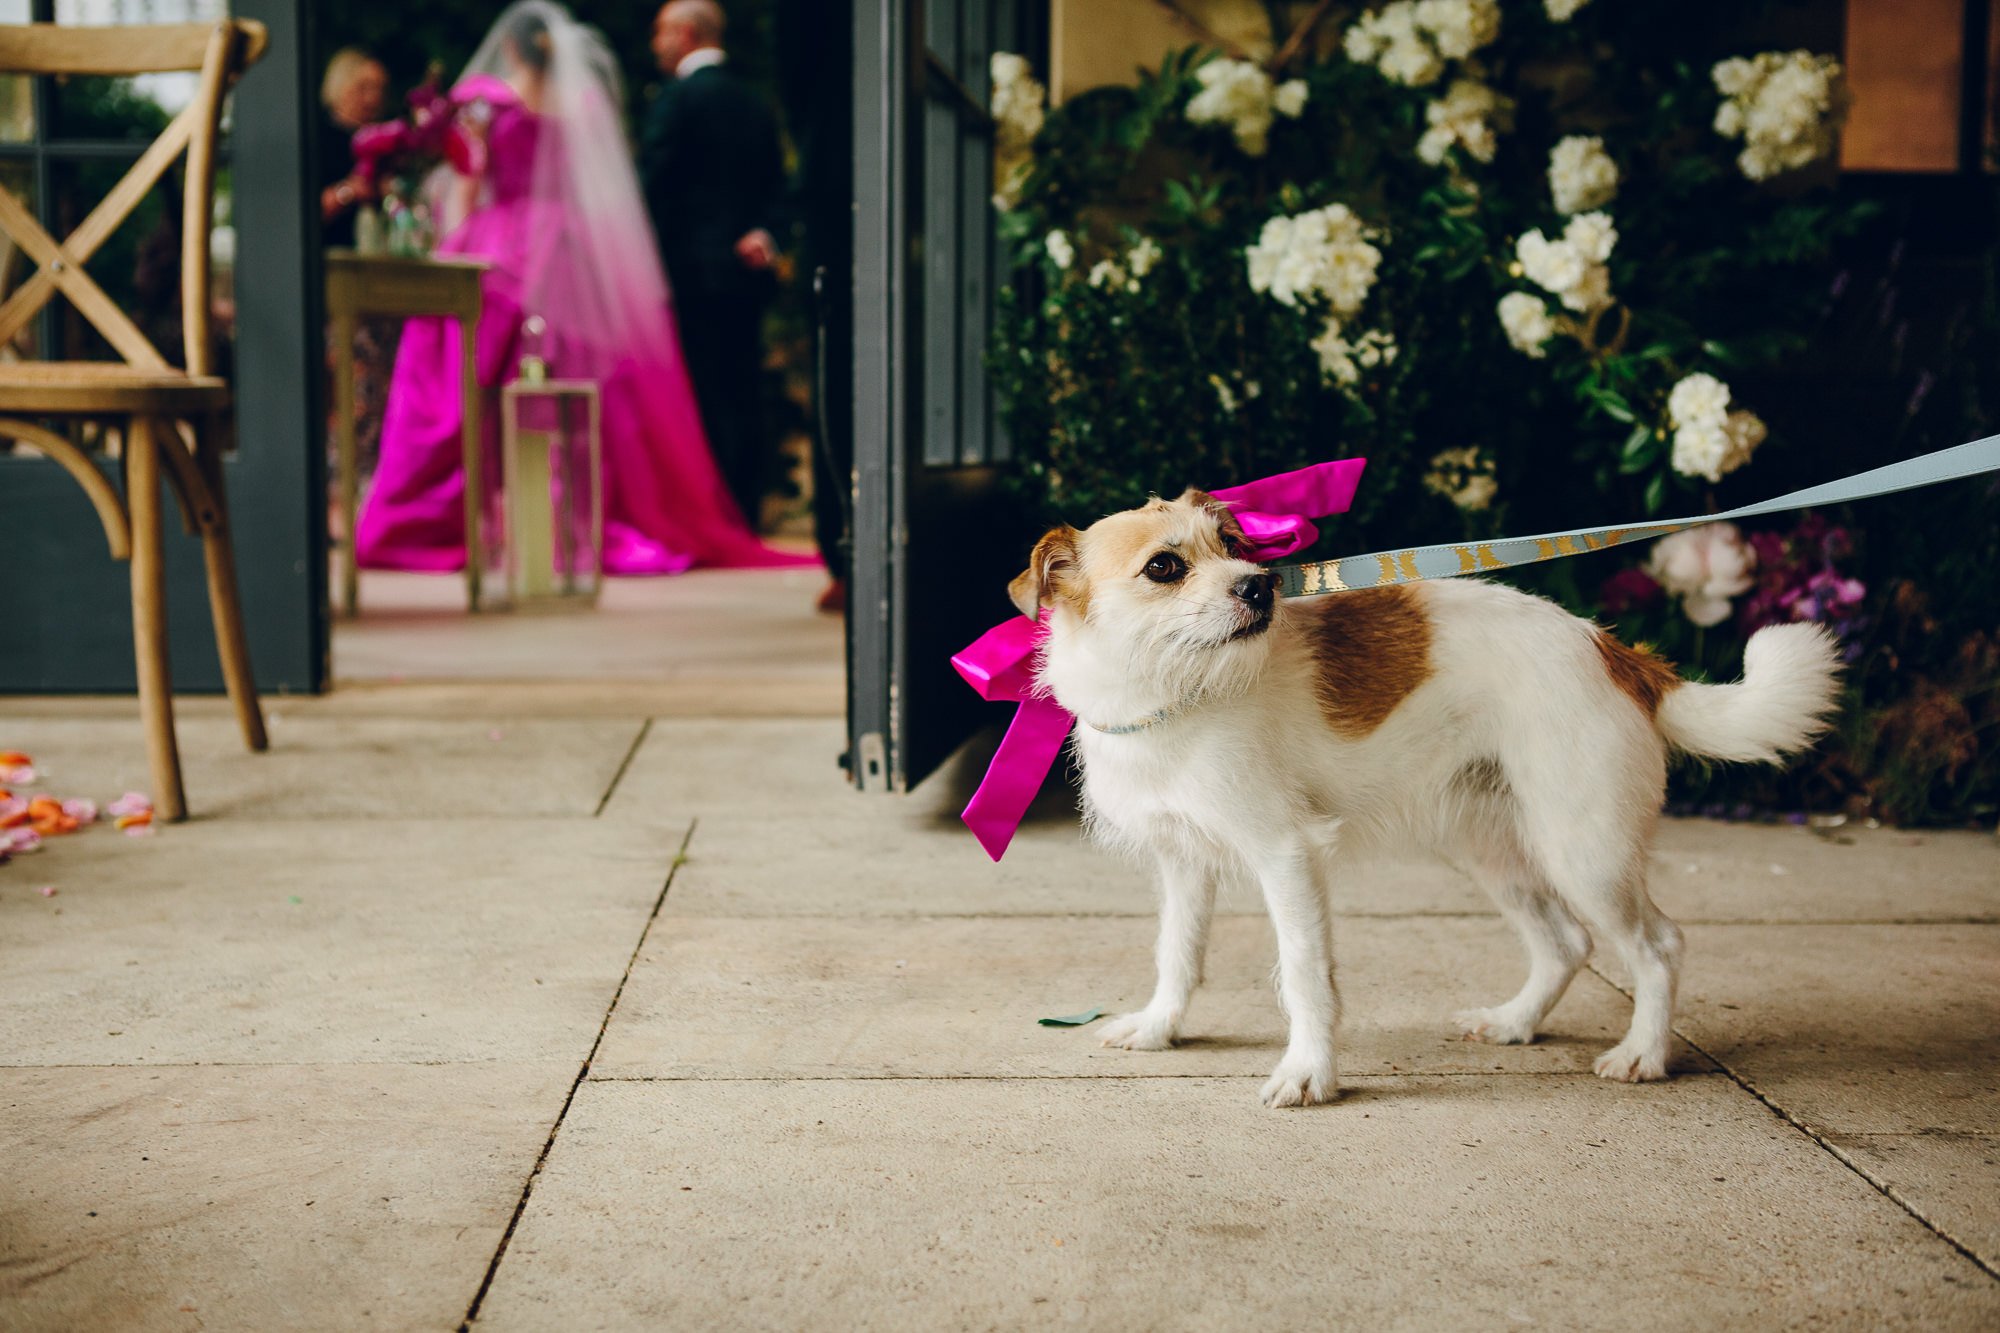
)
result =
(1790, 676)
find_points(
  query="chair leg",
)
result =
(149, 617)
(224, 605)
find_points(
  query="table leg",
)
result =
(349, 462)
(475, 497)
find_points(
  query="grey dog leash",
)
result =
(1451, 559)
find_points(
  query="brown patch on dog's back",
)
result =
(1643, 675)
(1371, 650)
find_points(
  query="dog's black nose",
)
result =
(1254, 591)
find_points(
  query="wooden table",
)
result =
(358, 285)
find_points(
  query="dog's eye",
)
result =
(1166, 567)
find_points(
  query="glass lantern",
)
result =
(552, 486)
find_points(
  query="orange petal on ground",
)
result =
(15, 759)
(15, 820)
(138, 820)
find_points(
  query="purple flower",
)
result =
(1631, 589)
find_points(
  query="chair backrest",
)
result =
(220, 51)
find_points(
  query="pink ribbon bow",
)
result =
(1276, 516)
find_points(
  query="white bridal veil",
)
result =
(594, 271)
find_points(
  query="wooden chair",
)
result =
(175, 421)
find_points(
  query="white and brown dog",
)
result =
(1225, 733)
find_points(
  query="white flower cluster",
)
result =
(1572, 268)
(1341, 360)
(1582, 175)
(1464, 477)
(1322, 253)
(1562, 11)
(1709, 439)
(1239, 94)
(1109, 273)
(1410, 40)
(1061, 253)
(1467, 115)
(1527, 322)
(1143, 257)
(1784, 105)
(1016, 105)
(1704, 567)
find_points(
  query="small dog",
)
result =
(1225, 733)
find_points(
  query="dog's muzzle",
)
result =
(1257, 593)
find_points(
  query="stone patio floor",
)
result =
(546, 976)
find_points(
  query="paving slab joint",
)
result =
(1881, 1187)
(645, 728)
(583, 1071)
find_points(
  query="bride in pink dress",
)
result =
(548, 195)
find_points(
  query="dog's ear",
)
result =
(1041, 582)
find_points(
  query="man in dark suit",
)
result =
(714, 176)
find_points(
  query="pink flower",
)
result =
(11, 806)
(22, 839)
(131, 803)
(1704, 567)
(82, 809)
(21, 775)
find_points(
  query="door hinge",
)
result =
(872, 774)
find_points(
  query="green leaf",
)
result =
(1636, 442)
(1656, 494)
(1072, 1020)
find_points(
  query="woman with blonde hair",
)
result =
(352, 95)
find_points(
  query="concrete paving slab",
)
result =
(886, 861)
(241, 941)
(1856, 1029)
(278, 1197)
(346, 767)
(958, 997)
(1414, 1203)
(1707, 870)
(777, 768)
(1952, 1181)
(1883, 1039)
(758, 621)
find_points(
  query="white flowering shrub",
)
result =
(1448, 222)
(1544, 264)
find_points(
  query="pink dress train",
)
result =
(666, 507)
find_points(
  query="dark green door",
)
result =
(934, 541)
(65, 608)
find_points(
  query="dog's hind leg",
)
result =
(1598, 871)
(1556, 943)
(1187, 906)
(1650, 946)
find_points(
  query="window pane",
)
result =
(133, 109)
(17, 108)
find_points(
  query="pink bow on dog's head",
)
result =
(1276, 516)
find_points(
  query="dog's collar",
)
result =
(1131, 728)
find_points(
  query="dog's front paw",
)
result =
(1142, 1031)
(1302, 1081)
(1496, 1026)
(1631, 1064)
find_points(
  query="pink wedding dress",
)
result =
(666, 508)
